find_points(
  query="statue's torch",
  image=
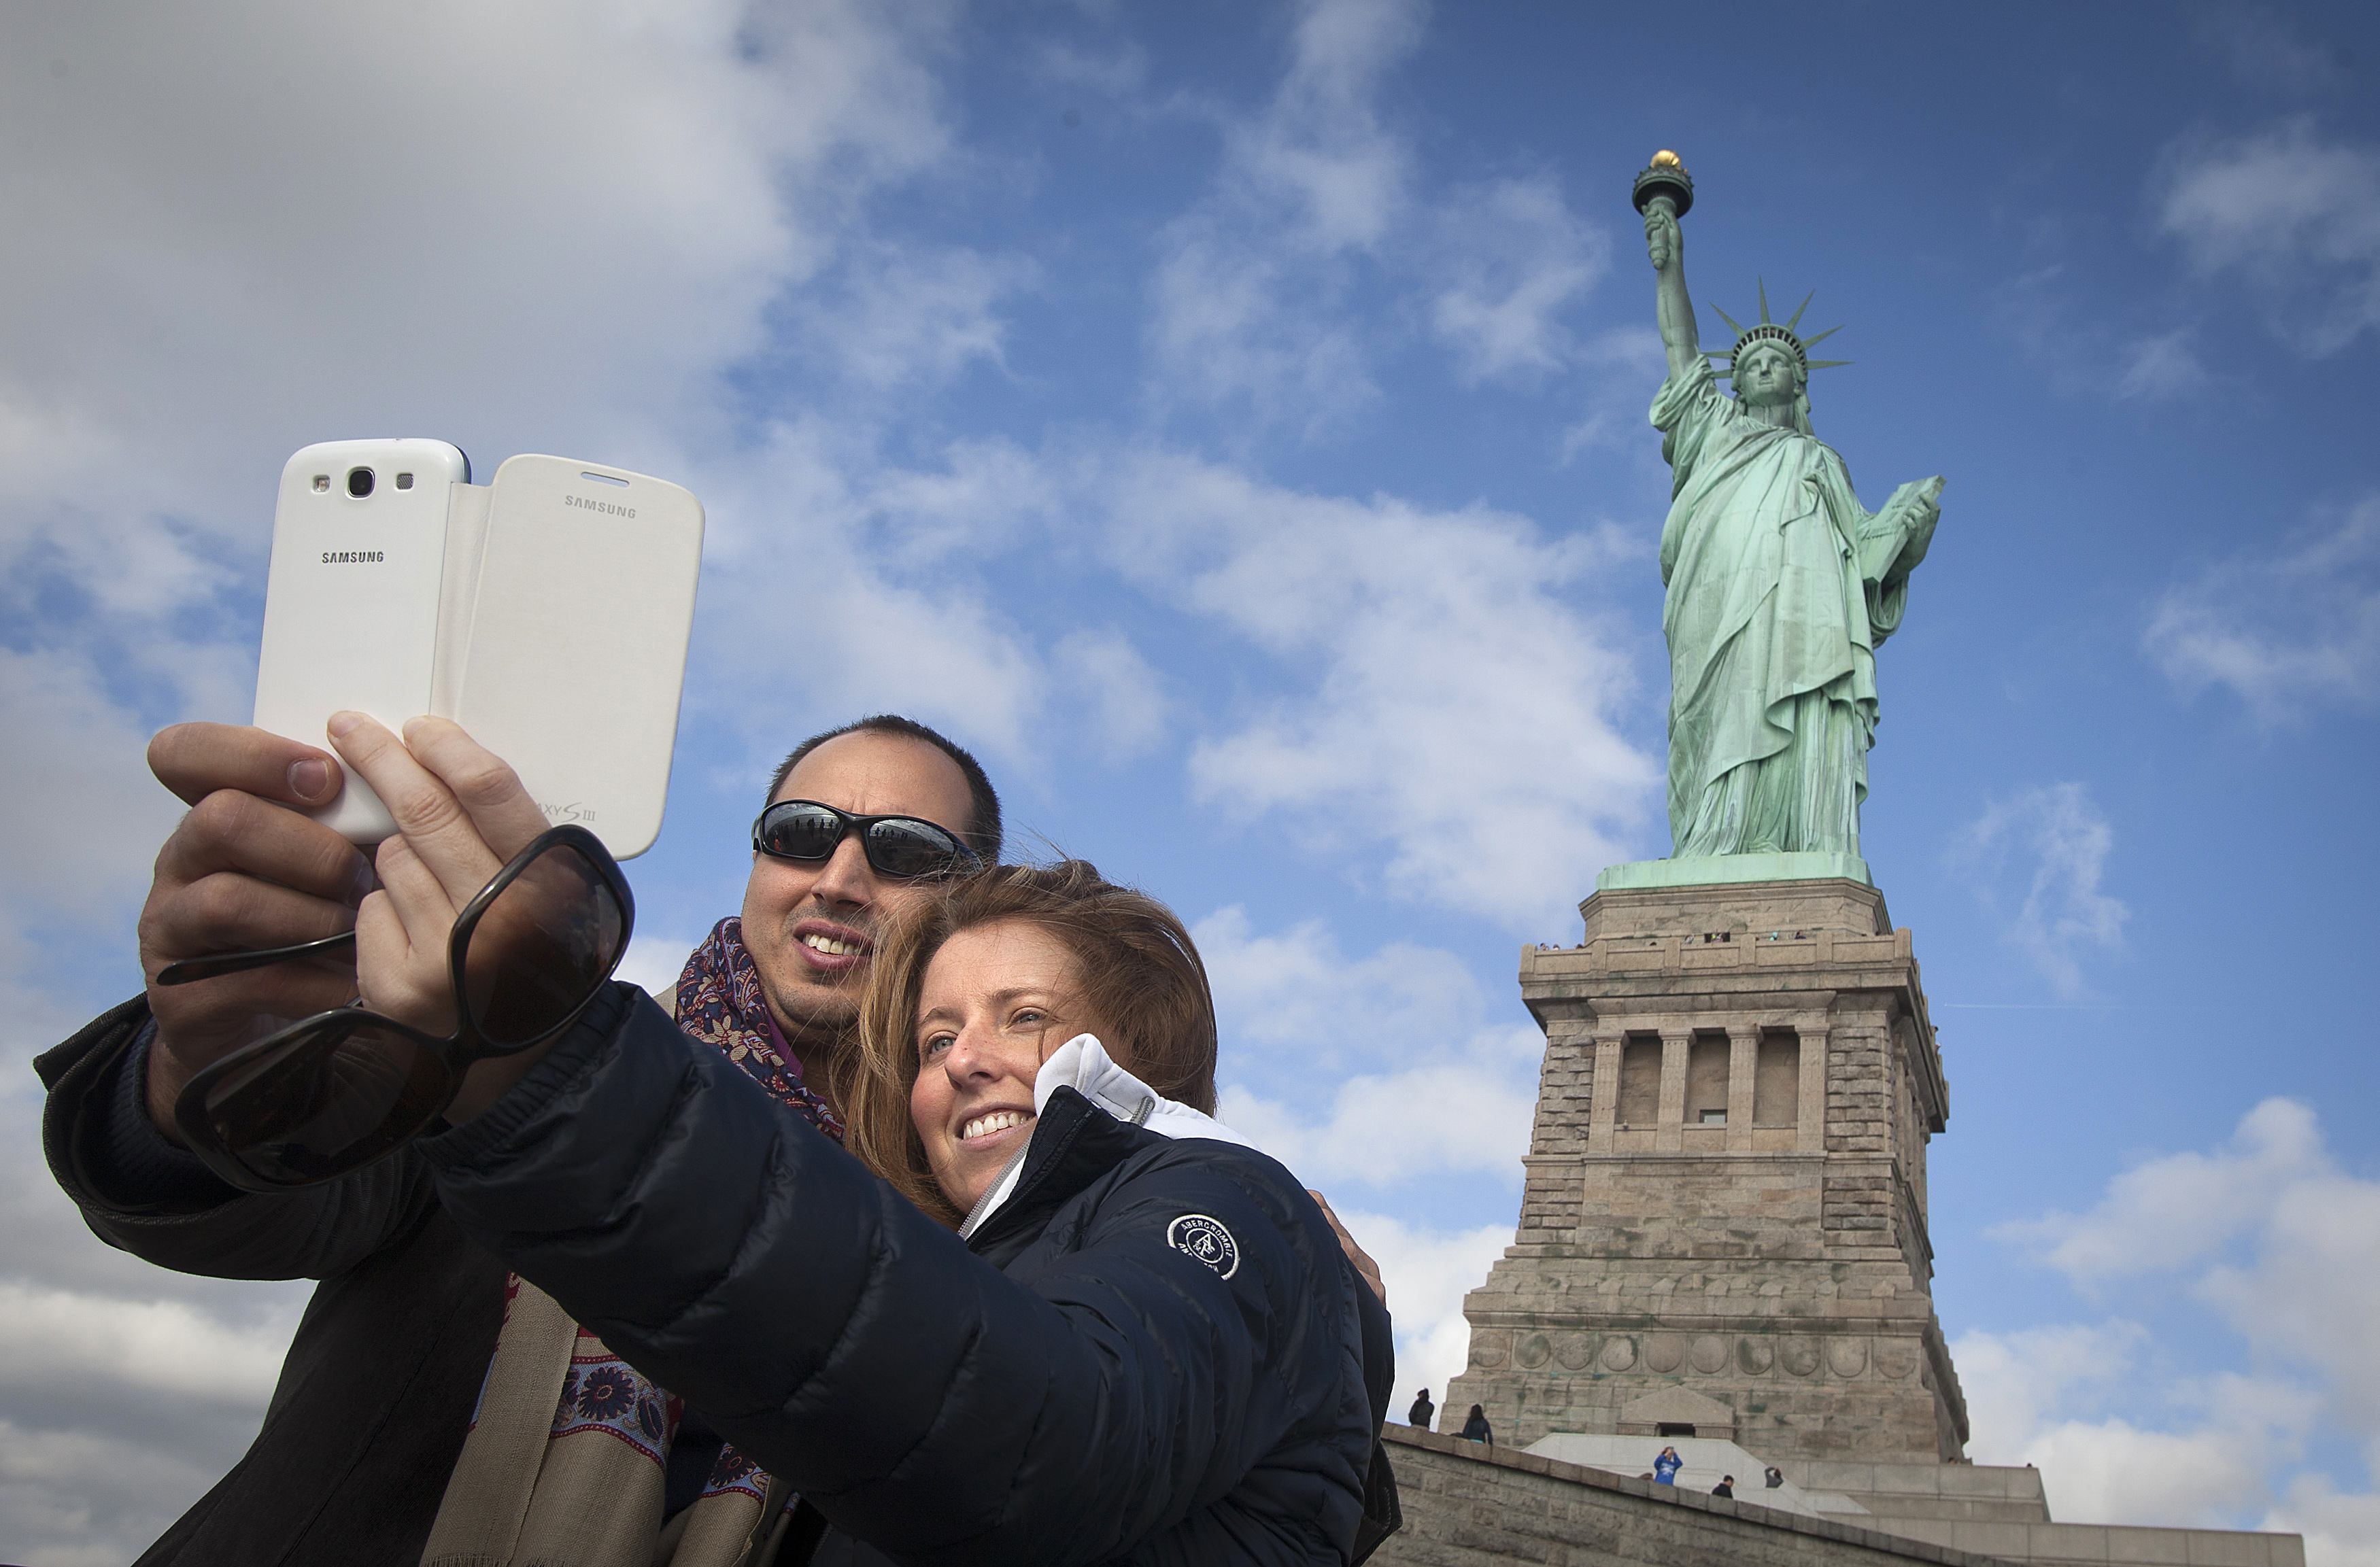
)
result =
(1665, 180)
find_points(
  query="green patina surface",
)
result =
(1708, 870)
(1781, 586)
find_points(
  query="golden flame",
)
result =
(1665, 159)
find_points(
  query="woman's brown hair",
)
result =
(1139, 974)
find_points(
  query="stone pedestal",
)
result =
(1723, 1226)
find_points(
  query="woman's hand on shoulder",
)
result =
(1365, 1268)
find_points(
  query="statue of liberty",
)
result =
(1781, 585)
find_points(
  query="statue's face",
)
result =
(1767, 376)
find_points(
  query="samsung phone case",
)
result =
(570, 659)
(351, 604)
(547, 613)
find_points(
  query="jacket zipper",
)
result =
(976, 1214)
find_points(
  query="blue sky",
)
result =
(1231, 420)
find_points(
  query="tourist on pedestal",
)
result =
(1665, 1468)
(1475, 1429)
(1725, 1487)
(1423, 1412)
(1776, 1477)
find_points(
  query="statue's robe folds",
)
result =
(1781, 586)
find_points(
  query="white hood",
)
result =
(1082, 1064)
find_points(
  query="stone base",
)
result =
(1722, 1225)
(1719, 870)
(1753, 911)
(1470, 1505)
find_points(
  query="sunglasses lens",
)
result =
(901, 847)
(542, 947)
(324, 1100)
(800, 832)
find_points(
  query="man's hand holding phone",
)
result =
(461, 813)
(247, 869)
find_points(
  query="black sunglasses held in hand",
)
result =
(904, 847)
(340, 1089)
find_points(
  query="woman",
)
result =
(1142, 1349)
(985, 1090)
(1475, 1429)
(1665, 1468)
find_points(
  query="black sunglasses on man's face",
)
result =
(902, 846)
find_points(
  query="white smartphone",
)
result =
(569, 662)
(351, 606)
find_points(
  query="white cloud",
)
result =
(2341, 1529)
(2295, 216)
(2181, 1208)
(656, 958)
(2053, 841)
(1632, 363)
(1395, 1127)
(2283, 1245)
(1422, 1081)
(1319, 145)
(56, 1516)
(1427, 1272)
(806, 616)
(1512, 257)
(237, 242)
(1449, 693)
(2161, 367)
(61, 1337)
(1124, 696)
(1117, 73)
(1318, 211)
(86, 817)
(898, 317)
(1247, 298)
(2039, 1397)
(2285, 630)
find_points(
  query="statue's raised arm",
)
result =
(1663, 192)
(1780, 586)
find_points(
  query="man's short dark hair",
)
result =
(981, 834)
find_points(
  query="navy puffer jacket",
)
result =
(1154, 1350)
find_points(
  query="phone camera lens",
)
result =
(359, 482)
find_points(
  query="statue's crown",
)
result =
(1780, 332)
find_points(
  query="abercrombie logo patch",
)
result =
(353, 557)
(1205, 1240)
(588, 503)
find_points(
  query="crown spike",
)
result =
(1763, 285)
(1829, 364)
(1732, 324)
(1795, 319)
(1818, 337)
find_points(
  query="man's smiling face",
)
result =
(811, 925)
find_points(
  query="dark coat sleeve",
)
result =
(310, 1233)
(925, 1401)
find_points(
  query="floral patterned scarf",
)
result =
(569, 1446)
(720, 1002)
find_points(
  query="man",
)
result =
(1423, 1412)
(379, 1386)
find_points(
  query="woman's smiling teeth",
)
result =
(998, 1121)
(820, 942)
